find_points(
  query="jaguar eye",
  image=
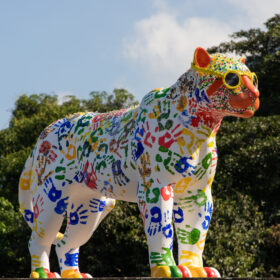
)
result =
(232, 79)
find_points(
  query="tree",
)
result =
(262, 51)
(104, 102)
(245, 189)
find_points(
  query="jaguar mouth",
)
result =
(248, 111)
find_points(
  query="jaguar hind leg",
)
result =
(46, 224)
(84, 216)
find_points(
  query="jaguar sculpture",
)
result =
(161, 154)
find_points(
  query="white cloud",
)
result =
(256, 12)
(164, 47)
(63, 96)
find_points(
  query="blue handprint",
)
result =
(55, 195)
(97, 205)
(178, 214)
(52, 193)
(107, 188)
(28, 215)
(183, 166)
(167, 216)
(65, 126)
(185, 119)
(208, 208)
(78, 215)
(155, 224)
(138, 151)
(79, 177)
(200, 96)
(119, 176)
(168, 231)
(61, 205)
(71, 259)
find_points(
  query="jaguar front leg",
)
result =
(192, 216)
(156, 206)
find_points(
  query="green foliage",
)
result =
(126, 252)
(249, 156)
(248, 167)
(13, 241)
(104, 102)
(262, 52)
(11, 166)
(236, 237)
(273, 247)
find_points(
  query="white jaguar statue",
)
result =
(161, 155)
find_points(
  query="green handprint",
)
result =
(189, 202)
(160, 259)
(188, 237)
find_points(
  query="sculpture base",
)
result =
(152, 278)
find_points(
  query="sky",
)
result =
(73, 47)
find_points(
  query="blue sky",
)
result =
(74, 47)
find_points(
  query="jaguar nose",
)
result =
(247, 82)
(246, 99)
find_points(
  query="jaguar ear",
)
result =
(201, 57)
(242, 59)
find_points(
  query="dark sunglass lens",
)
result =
(232, 79)
(255, 81)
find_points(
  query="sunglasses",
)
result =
(232, 78)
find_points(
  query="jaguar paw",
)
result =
(86, 275)
(51, 274)
(166, 271)
(41, 272)
(197, 271)
(185, 271)
(212, 272)
(74, 273)
(34, 275)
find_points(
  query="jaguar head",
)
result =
(232, 89)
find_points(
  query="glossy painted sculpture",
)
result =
(161, 155)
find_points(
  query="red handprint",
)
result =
(38, 206)
(167, 192)
(90, 177)
(169, 138)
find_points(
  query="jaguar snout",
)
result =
(246, 99)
